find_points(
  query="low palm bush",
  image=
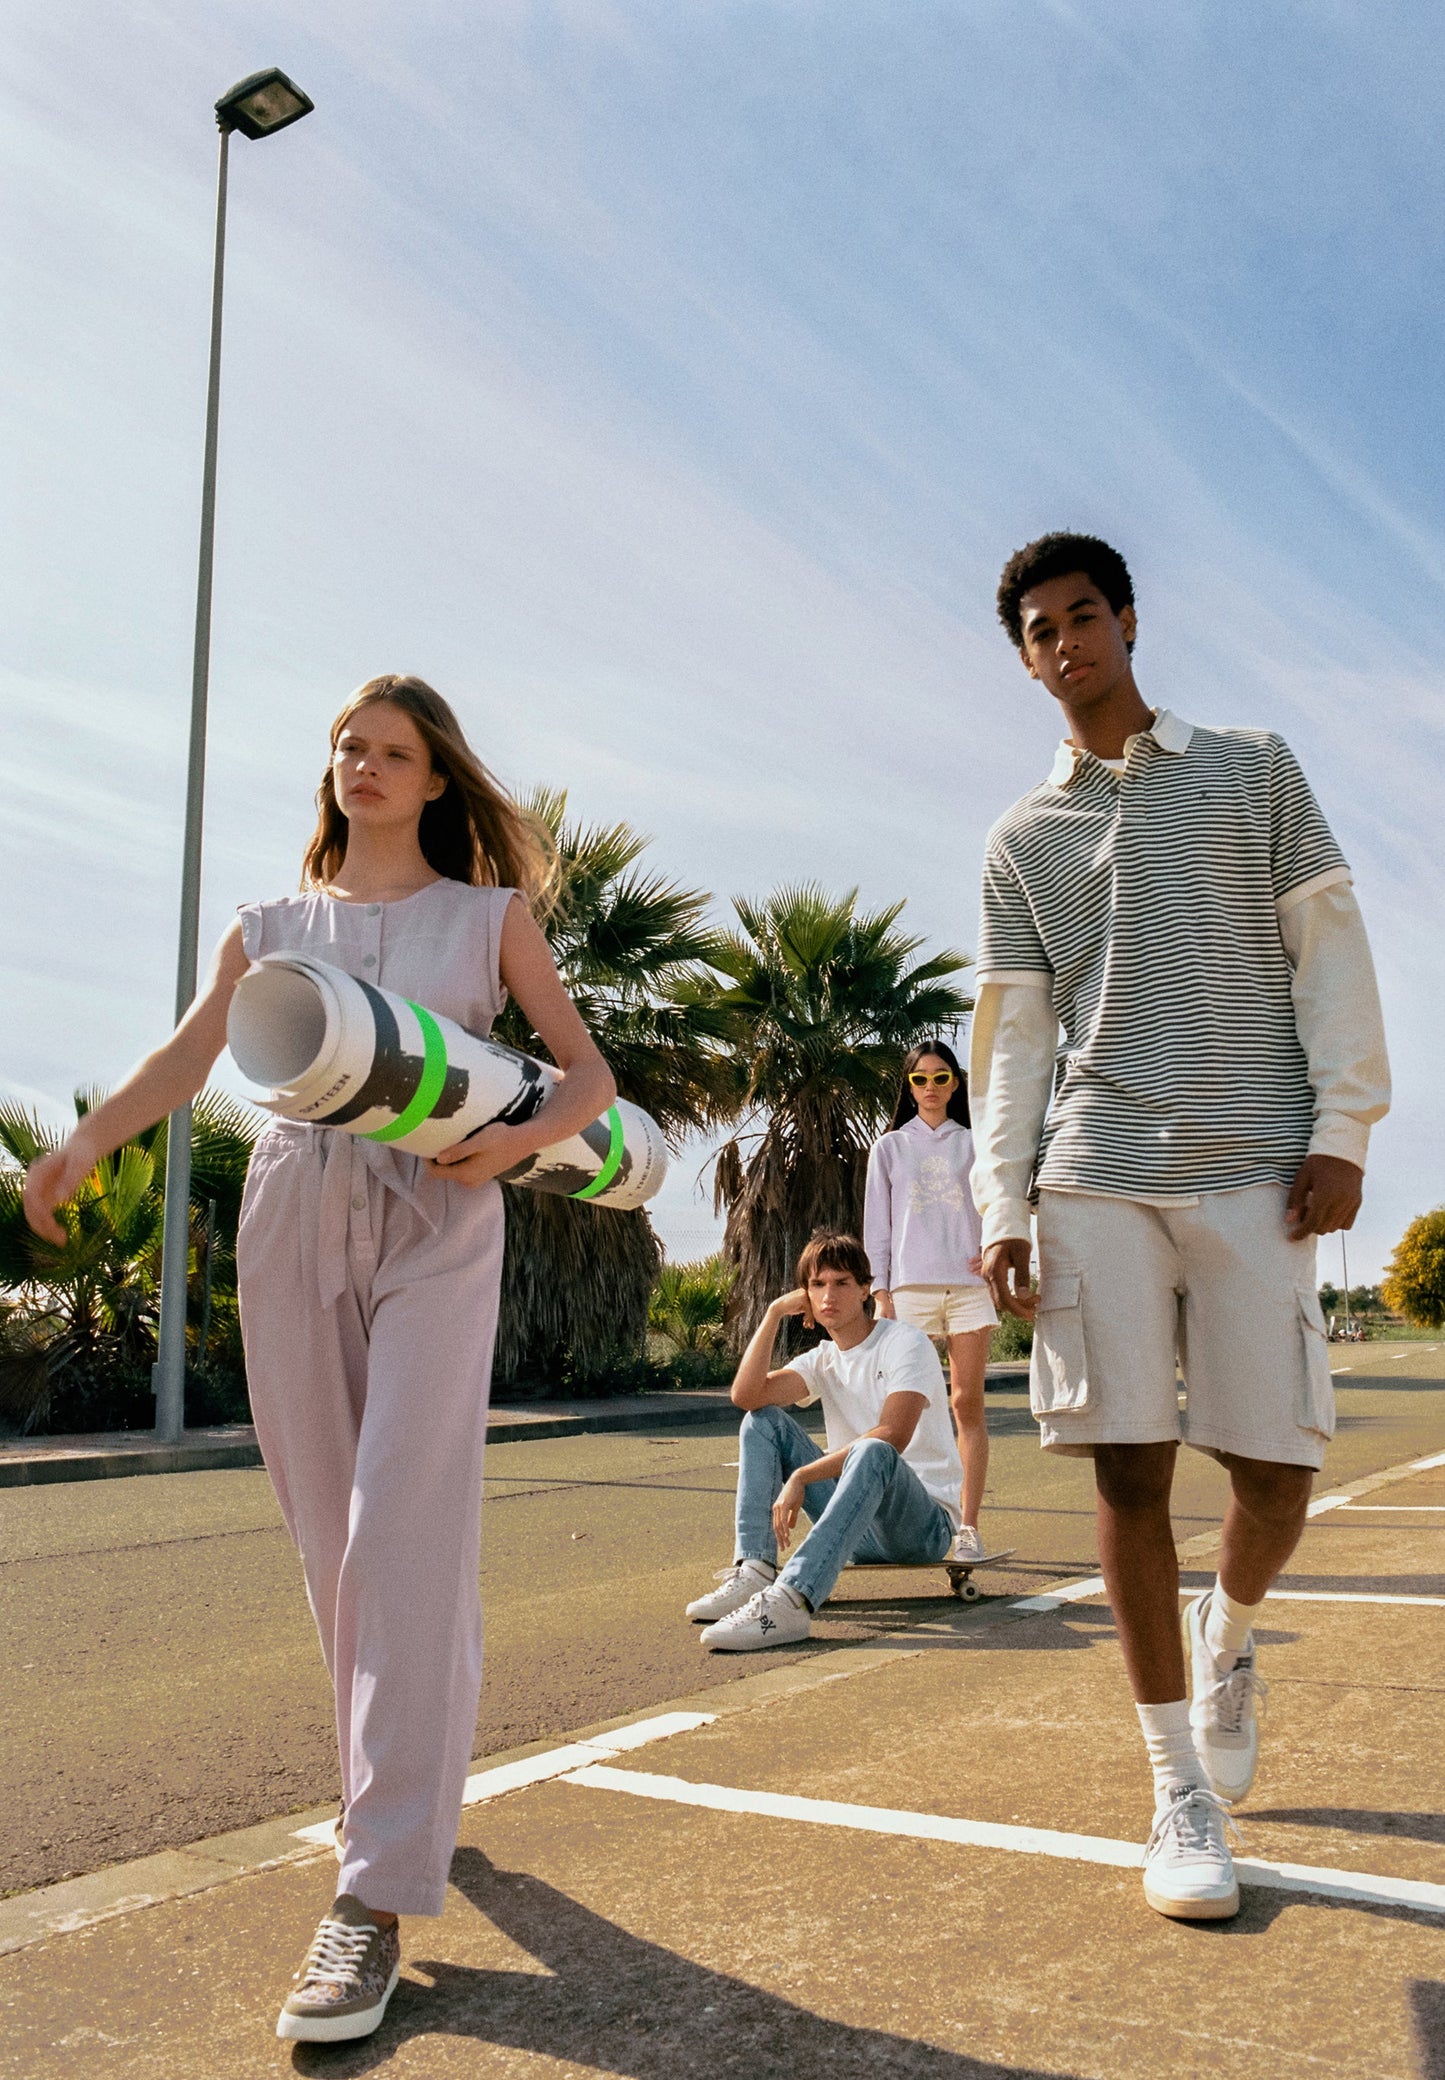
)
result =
(78, 1320)
(686, 1322)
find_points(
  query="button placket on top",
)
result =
(361, 1237)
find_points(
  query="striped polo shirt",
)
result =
(1150, 898)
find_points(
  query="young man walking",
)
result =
(1172, 898)
(886, 1488)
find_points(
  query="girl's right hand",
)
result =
(883, 1306)
(50, 1181)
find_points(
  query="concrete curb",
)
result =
(118, 1455)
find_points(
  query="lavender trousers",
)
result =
(369, 1291)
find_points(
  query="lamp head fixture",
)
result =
(265, 102)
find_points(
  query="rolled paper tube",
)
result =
(334, 1051)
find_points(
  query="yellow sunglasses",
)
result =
(921, 1078)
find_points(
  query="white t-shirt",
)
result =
(894, 1358)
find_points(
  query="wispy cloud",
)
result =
(668, 385)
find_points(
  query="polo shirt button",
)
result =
(359, 1205)
(370, 961)
(373, 909)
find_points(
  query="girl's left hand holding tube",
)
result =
(483, 1155)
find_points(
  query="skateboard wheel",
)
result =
(970, 1591)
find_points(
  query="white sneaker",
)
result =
(1227, 1707)
(1188, 1870)
(768, 1619)
(737, 1583)
(967, 1547)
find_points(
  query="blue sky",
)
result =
(667, 384)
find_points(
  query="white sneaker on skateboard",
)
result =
(967, 1548)
(1226, 1709)
(1188, 1870)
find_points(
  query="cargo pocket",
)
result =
(1058, 1370)
(1315, 1404)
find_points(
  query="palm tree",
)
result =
(78, 1319)
(633, 951)
(823, 1004)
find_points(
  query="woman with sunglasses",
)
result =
(921, 1232)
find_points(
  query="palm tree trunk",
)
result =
(576, 1281)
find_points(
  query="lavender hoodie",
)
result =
(920, 1225)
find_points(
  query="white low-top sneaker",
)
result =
(735, 1585)
(1188, 1870)
(768, 1619)
(967, 1547)
(1226, 1709)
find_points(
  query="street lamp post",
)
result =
(257, 106)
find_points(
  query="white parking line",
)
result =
(1075, 1592)
(1070, 1592)
(1397, 1509)
(553, 1762)
(1343, 1596)
(1364, 1887)
(1427, 1465)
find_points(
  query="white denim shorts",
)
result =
(1126, 1290)
(944, 1310)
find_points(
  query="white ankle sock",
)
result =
(1172, 1753)
(1227, 1625)
(763, 1569)
(798, 1602)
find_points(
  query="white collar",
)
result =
(1167, 730)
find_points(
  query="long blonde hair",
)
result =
(472, 832)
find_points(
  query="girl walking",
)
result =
(369, 1282)
(922, 1235)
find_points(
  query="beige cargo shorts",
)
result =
(1126, 1290)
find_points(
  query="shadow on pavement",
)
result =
(613, 2002)
(1427, 2012)
(1415, 1827)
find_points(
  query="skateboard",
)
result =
(960, 1573)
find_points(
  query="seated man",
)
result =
(887, 1487)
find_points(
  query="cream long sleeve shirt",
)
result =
(1337, 1012)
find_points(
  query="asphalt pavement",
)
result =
(908, 1848)
(163, 1680)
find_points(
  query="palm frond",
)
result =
(819, 1002)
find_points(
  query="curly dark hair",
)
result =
(1057, 556)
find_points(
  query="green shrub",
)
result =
(1012, 1339)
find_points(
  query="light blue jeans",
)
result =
(877, 1509)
